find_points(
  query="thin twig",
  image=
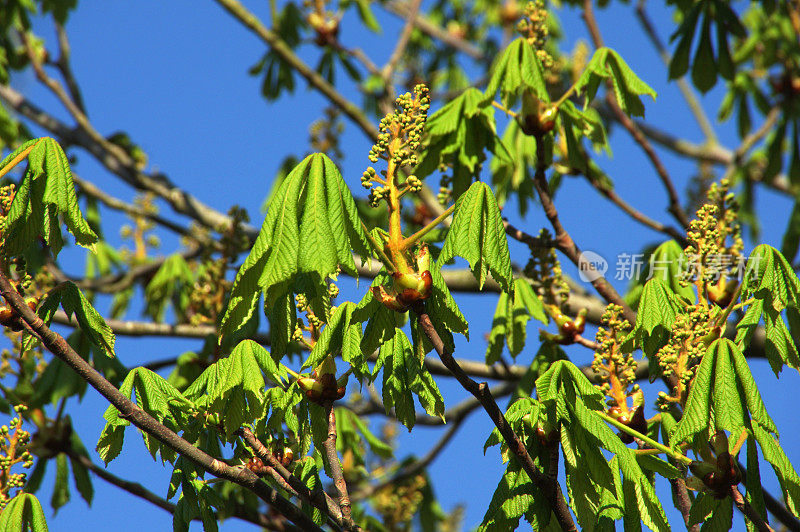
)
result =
(683, 502)
(425, 25)
(550, 488)
(110, 201)
(279, 46)
(66, 70)
(317, 498)
(402, 42)
(749, 511)
(563, 239)
(136, 489)
(118, 162)
(334, 465)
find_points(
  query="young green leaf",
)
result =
(515, 70)
(658, 307)
(46, 193)
(402, 375)
(74, 303)
(477, 235)
(511, 319)
(458, 135)
(171, 284)
(607, 64)
(23, 513)
(311, 227)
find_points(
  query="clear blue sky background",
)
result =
(174, 76)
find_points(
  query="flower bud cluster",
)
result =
(534, 28)
(13, 450)
(399, 139)
(610, 358)
(708, 235)
(544, 270)
(686, 346)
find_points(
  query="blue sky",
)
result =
(174, 76)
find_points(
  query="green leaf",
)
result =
(477, 235)
(171, 284)
(61, 488)
(74, 303)
(311, 226)
(511, 318)
(458, 135)
(663, 468)
(564, 374)
(514, 497)
(80, 475)
(658, 307)
(724, 381)
(771, 278)
(667, 263)
(234, 386)
(607, 64)
(515, 70)
(23, 513)
(787, 476)
(704, 67)
(403, 374)
(366, 16)
(441, 305)
(679, 64)
(46, 193)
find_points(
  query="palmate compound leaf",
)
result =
(658, 307)
(403, 374)
(74, 303)
(155, 396)
(784, 470)
(607, 64)
(477, 235)
(311, 227)
(569, 396)
(458, 135)
(46, 193)
(516, 70)
(23, 513)
(775, 289)
(233, 386)
(516, 496)
(511, 319)
(723, 384)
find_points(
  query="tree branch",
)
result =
(138, 417)
(273, 40)
(136, 489)
(412, 10)
(750, 512)
(564, 241)
(549, 487)
(316, 498)
(335, 465)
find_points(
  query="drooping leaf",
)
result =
(402, 375)
(311, 228)
(46, 193)
(74, 303)
(477, 235)
(517, 69)
(23, 513)
(607, 64)
(458, 136)
(511, 319)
